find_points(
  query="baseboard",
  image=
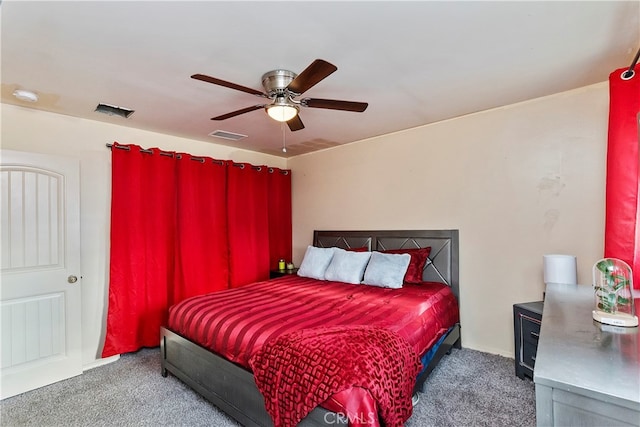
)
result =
(490, 350)
(100, 362)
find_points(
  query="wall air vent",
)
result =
(227, 135)
(114, 110)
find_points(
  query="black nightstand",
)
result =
(527, 318)
(279, 273)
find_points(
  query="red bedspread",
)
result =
(236, 323)
(298, 371)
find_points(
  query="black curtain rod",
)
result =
(163, 153)
(198, 159)
(629, 73)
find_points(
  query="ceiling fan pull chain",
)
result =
(284, 138)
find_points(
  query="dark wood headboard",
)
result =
(443, 263)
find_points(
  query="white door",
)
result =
(40, 335)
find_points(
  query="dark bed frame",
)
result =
(232, 388)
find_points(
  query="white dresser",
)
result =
(586, 374)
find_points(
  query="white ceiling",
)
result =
(413, 62)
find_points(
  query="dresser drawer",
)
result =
(530, 329)
(529, 335)
(528, 355)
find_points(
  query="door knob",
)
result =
(72, 279)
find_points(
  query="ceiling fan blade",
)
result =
(230, 85)
(295, 123)
(238, 112)
(334, 104)
(312, 75)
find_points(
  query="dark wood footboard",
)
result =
(227, 385)
(232, 388)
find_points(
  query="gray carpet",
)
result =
(468, 388)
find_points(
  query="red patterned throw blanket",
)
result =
(299, 370)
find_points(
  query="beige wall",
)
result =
(518, 182)
(30, 130)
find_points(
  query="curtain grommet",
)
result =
(627, 75)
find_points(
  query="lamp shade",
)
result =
(560, 269)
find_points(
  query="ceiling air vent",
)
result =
(227, 135)
(114, 110)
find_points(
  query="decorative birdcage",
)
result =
(613, 297)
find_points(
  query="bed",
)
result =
(228, 382)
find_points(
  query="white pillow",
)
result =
(315, 262)
(347, 266)
(386, 270)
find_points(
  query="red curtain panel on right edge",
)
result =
(622, 223)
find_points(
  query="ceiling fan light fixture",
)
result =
(281, 110)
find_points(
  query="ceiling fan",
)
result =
(282, 87)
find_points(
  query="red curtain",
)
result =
(183, 226)
(141, 270)
(622, 229)
(280, 220)
(202, 255)
(247, 212)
